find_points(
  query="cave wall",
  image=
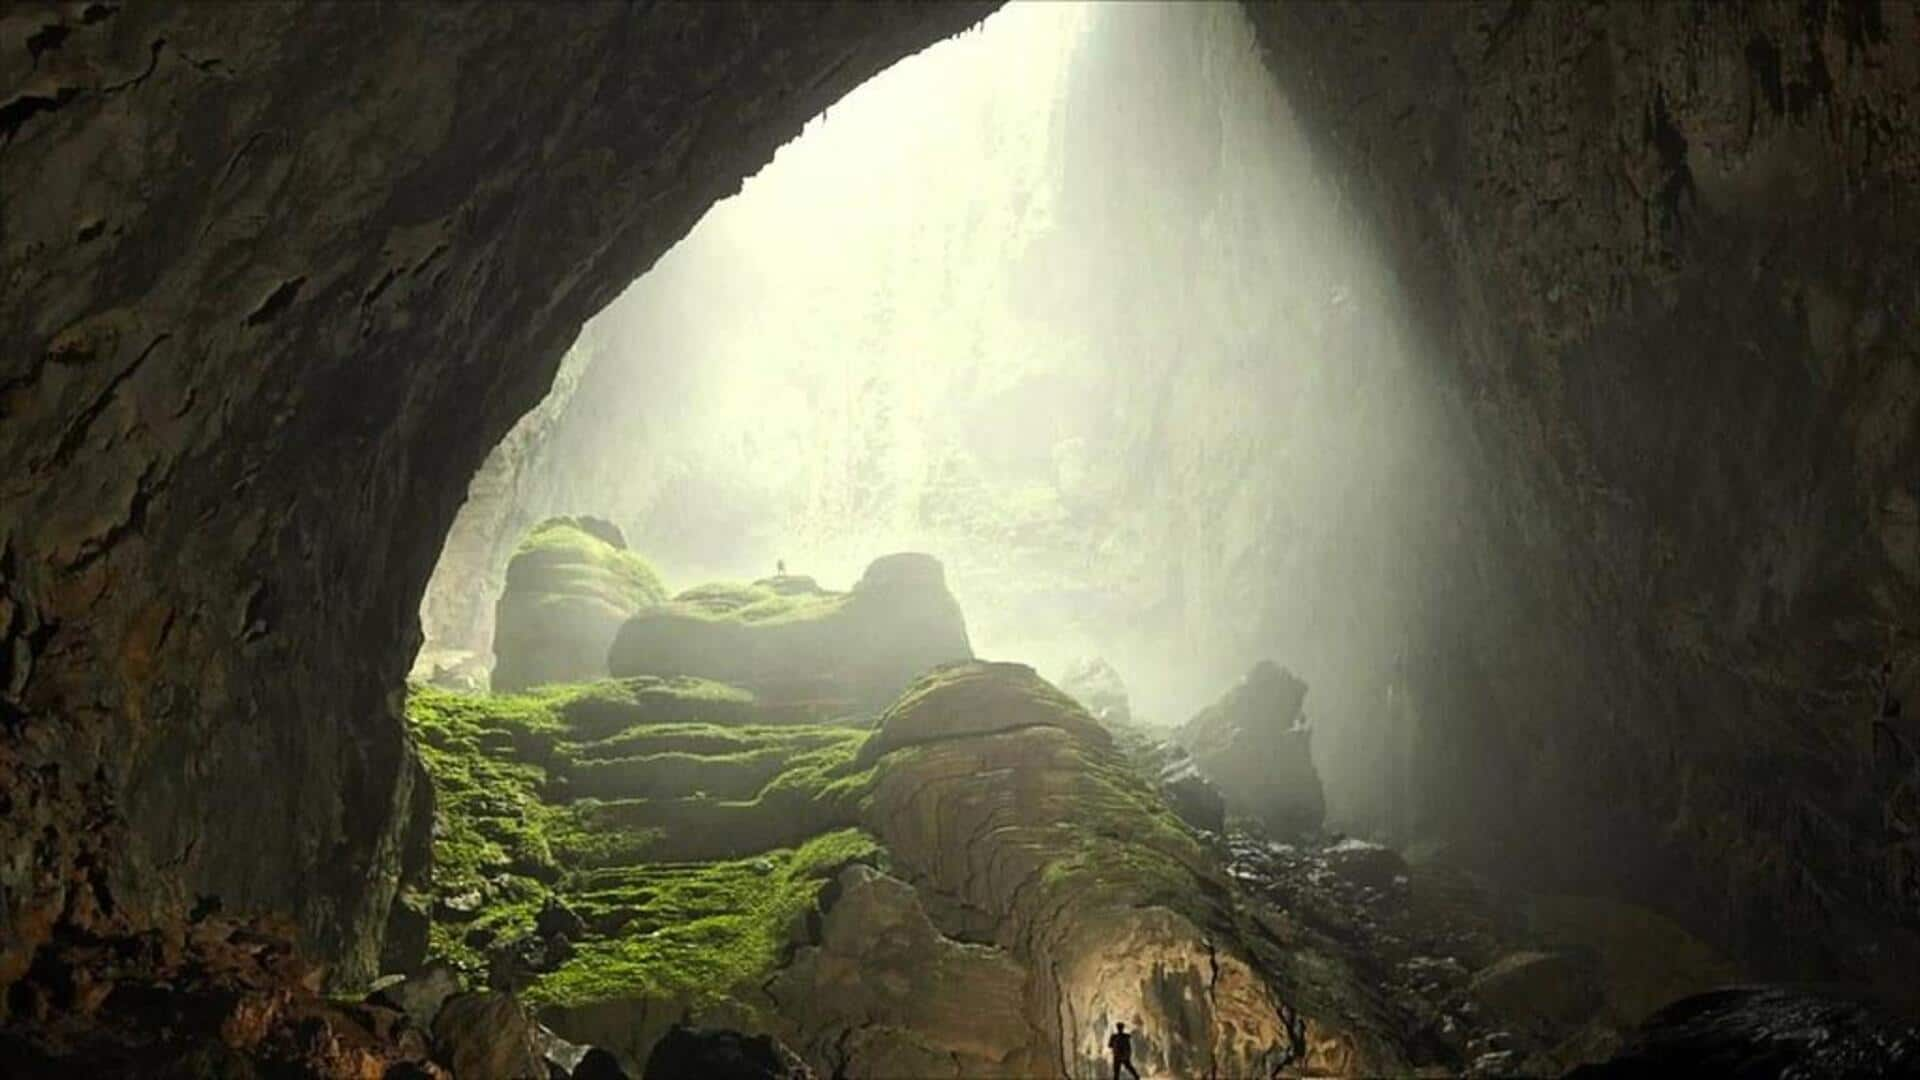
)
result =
(277, 279)
(1658, 254)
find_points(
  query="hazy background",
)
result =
(1065, 302)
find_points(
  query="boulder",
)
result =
(570, 585)
(788, 640)
(1254, 744)
(1538, 991)
(1094, 684)
(421, 995)
(978, 697)
(488, 1036)
(598, 1064)
(1366, 864)
(717, 1054)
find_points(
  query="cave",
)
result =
(1590, 512)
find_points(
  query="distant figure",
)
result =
(1889, 704)
(780, 567)
(1122, 1046)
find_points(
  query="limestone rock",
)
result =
(1193, 796)
(919, 1003)
(980, 697)
(1255, 746)
(488, 1036)
(569, 587)
(1023, 826)
(717, 1054)
(786, 639)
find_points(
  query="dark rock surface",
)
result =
(1256, 748)
(722, 1055)
(1650, 249)
(274, 288)
(1753, 1033)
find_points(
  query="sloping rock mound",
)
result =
(1255, 745)
(1023, 827)
(787, 639)
(569, 587)
(977, 698)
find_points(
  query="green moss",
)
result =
(760, 602)
(569, 562)
(697, 932)
(511, 773)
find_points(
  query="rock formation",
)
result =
(1255, 745)
(571, 584)
(977, 886)
(787, 639)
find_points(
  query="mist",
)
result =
(1066, 302)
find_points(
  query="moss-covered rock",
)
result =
(570, 585)
(787, 639)
(681, 829)
(652, 851)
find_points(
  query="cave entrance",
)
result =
(1064, 301)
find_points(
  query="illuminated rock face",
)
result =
(1007, 807)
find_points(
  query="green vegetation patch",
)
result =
(687, 837)
(697, 931)
(760, 602)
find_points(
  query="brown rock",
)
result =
(488, 1036)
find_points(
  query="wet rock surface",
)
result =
(1754, 1032)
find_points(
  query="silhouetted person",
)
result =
(780, 567)
(1122, 1046)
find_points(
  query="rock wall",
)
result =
(1651, 250)
(276, 282)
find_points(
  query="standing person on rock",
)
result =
(1121, 1044)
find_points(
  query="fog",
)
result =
(1066, 302)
